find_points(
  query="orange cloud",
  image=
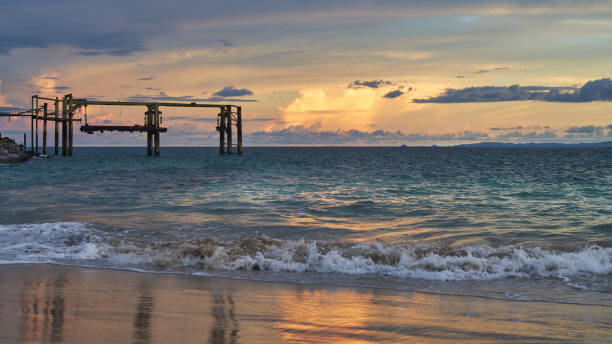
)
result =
(342, 108)
(3, 101)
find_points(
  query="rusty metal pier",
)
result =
(229, 116)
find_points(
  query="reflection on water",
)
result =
(339, 317)
(42, 311)
(41, 303)
(142, 317)
(225, 325)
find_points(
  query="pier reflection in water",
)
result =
(42, 303)
(142, 316)
(42, 311)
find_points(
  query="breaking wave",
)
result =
(82, 244)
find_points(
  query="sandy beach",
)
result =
(50, 303)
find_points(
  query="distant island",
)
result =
(540, 145)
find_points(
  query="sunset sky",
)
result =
(321, 72)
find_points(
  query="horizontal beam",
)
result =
(90, 129)
(81, 102)
(49, 117)
(45, 98)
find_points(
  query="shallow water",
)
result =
(515, 223)
(77, 305)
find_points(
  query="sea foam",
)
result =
(83, 244)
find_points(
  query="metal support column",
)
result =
(156, 133)
(228, 128)
(56, 126)
(32, 126)
(44, 129)
(221, 129)
(149, 122)
(36, 124)
(239, 128)
(70, 133)
(64, 127)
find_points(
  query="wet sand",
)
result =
(46, 303)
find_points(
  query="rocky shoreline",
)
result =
(11, 152)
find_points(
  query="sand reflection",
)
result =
(142, 316)
(225, 326)
(42, 312)
(310, 316)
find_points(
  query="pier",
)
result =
(229, 116)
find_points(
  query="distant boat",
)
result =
(403, 147)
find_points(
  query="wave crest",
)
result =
(78, 243)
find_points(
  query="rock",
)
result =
(11, 152)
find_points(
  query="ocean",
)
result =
(529, 224)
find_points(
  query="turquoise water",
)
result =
(374, 216)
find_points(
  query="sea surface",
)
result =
(530, 224)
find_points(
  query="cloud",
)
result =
(482, 71)
(587, 129)
(230, 91)
(200, 119)
(120, 28)
(147, 78)
(311, 135)
(520, 127)
(370, 84)
(162, 96)
(595, 90)
(394, 94)
(225, 43)
(3, 101)
(110, 52)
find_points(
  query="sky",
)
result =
(377, 72)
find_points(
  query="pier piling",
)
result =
(239, 128)
(156, 132)
(56, 115)
(221, 129)
(36, 125)
(32, 126)
(228, 128)
(44, 149)
(64, 127)
(70, 133)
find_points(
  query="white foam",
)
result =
(81, 244)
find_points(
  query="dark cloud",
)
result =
(119, 27)
(393, 94)
(225, 43)
(147, 78)
(112, 52)
(587, 129)
(230, 91)
(198, 119)
(61, 88)
(520, 127)
(532, 135)
(162, 96)
(311, 135)
(595, 90)
(370, 84)
(490, 70)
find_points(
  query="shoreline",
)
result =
(318, 283)
(44, 302)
